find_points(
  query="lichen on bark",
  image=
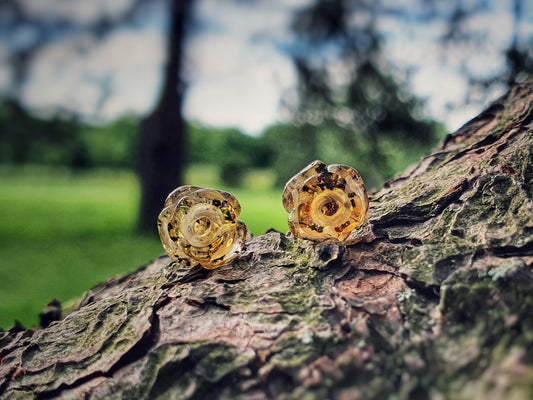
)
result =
(430, 299)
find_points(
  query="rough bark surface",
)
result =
(431, 298)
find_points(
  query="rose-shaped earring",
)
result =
(199, 226)
(325, 202)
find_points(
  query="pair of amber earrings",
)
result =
(200, 226)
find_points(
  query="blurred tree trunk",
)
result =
(162, 141)
(431, 299)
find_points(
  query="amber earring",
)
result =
(200, 226)
(325, 202)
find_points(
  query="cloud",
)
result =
(438, 73)
(236, 77)
(77, 11)
(69, 73)
(235, 70)
(247, 98)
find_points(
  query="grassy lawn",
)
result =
(62, 233)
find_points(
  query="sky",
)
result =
(235, 70)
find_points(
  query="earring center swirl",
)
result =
(200, 226)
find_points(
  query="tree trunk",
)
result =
(162, 132)
(431, 299)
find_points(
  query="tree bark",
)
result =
(162, 155)
(431, 299)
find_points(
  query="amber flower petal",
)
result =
(199, 226)
(325, 202)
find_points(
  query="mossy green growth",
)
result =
(497, 214)
(417, 310)
(293, 350)
(485, 316)
(486, 297)
(216, 361)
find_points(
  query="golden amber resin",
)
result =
(199, 226)
(325, 202)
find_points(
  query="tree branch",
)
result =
(431, 298)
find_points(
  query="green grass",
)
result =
(61, 233)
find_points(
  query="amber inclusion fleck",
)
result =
(200, 226)
(325, 202)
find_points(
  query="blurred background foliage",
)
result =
(69, 185)
(280, 151)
